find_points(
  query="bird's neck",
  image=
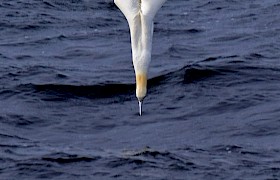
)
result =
(141, 31)
(141, 42)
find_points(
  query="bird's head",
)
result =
(141, 86)
(141, 67)
(141, 89)
(141, 61)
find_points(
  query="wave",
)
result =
(87, 91)
(150, 162)
(64, 158)
(232, 73)
(98, 91)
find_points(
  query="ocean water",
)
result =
(68, 108)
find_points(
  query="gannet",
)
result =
(140, 15)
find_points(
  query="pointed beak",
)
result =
(140, 107)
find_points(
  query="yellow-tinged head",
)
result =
(141, 89)
(141, 86)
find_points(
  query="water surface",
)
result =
(67, 103)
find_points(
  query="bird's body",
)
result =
(140, 15)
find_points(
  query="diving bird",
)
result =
(140, 15)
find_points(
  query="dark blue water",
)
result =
(67, 103)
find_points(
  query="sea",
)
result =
(67, 92)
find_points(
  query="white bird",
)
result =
(140, 15)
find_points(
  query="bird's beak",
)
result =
(140, 107)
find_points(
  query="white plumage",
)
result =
(140, 15)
